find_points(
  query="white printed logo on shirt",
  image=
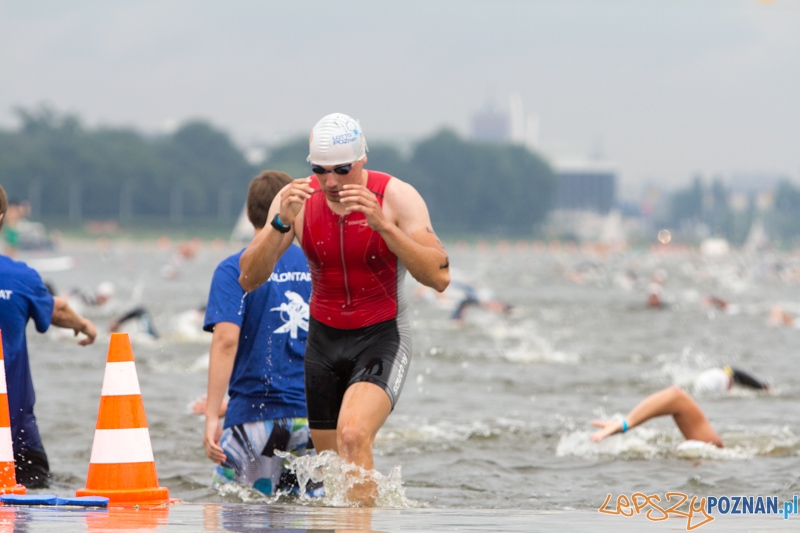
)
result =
(294, 314)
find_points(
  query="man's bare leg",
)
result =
(324, 439)
(365, 407)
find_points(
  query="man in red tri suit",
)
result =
(361, 231)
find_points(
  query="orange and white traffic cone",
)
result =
(122, 467)
(8, 476)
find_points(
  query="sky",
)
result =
(664, 90)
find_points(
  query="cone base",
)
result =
(16, 489)
(154, 496)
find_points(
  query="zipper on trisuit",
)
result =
(344, 266)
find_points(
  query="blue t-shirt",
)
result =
(23, 296)
(267, 378)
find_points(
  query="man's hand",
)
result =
(292, 199)
(357, 198)
(211, 440)
(88, 329)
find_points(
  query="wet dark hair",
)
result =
(262, 190)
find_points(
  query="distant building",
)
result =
(491, 125)
(586, 185)
(513, 126)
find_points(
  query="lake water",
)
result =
(492, 429)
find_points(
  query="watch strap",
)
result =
(278, 225)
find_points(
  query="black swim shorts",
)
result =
(337, 358)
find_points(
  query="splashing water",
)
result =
(338, 477)
(648, 443)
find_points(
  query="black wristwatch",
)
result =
(278, 225)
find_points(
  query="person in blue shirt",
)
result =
(23, 296)
(257, 352)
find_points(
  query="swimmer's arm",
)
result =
(743, 378)
(136, 312)
(258, 260)
(66, 317)
(224, 344)
(690, 419)
(412, 238)
(663, 402)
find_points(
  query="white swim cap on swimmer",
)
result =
(105, 288)
(336, 139)
(712, 381)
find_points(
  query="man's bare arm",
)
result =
(407, 230)
(222, 355)
(258, 260)
(66, 317)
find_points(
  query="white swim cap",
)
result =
(654, 289)
(105, 288)
(336, 139)
(712, 381)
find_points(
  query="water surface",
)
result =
(495, 414)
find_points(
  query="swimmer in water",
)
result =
(141, 320)
(655, 298)
(473, 299)
(675, 401)
(720, 304)
(721, 380)
(655, 290)
(779, 317)
(99, 296)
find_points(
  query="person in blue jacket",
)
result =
(257, 352)
(23, 296)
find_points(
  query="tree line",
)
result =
(73, 173)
